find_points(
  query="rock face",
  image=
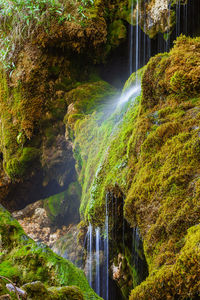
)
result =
(37, 225)
(36, 158)
(153, 160)
(48, 219)
(57, 130)
(158, 17)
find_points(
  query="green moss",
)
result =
(134, 79)
(19, 167)
(63, 204)
(170, 281)
(91, 132)
(117, 32)
(72, 292)
(24, 261)
(153, 158)
(90, 96)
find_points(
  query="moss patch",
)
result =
(24, 261)
(153, 158)
(64, 205)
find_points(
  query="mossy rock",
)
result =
(19, 167)
(24, 261)
(90, 96)
(180, 279)
(167, 74)
(134, 79)
(117, 32)
(153, 158)
(37, 291)
(64, 205)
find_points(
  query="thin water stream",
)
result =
(98, 240)
(98, 243)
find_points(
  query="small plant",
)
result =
(19, 20)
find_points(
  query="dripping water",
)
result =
(131, 41)
(89, 255)
(168, 28)
(106, 250)
(144, 41)
(97, 286)
(137, 39)
(136, 245)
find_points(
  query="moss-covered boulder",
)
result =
(24, 261)
(86, 120)
(37, 290)
(151, 162)
(34, 152)
(178, 280)
(165, 168)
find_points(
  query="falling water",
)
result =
(131, 40)
(136, 245)
(144, 36)
(137, 39)
(106, 250)
(131, 93)
(89, 254)
(97, 290)
(148, 47)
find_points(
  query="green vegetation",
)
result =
(175, 280)
(153, 158)
(25, 261)
(17, 157)
(64, 205)
(21, 20)
(99, 126)
(91, 131)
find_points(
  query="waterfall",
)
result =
(97, 289)
(106, 250)
(136, 245)
(137, 39)
(131, 41)
(131, 93)
(89, 255)
(93, 262)
(144, 35)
